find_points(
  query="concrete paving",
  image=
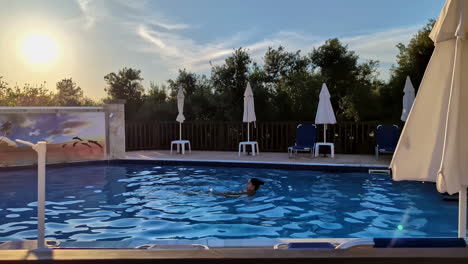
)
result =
(268, 157)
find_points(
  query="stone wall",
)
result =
(115, 120)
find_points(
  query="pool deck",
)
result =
(264, 157)
(257, 255)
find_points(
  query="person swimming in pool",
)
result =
(251, 189)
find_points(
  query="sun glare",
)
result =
(39, 49)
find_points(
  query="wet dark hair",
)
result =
(256, 182)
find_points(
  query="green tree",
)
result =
(157, 94)
(28, 95)
(68, 93)
(3, 84)
(3, 92)
(337, 66)
(86, 101)
(412, 61)
(293, 84)
(157, 104)
(188, 82)
(229, 82)
(126, 84)
(265, 108)
(367, 93)
(279, 64)
(350, 83)
(37, 95)
(203, 100)
(200, 103)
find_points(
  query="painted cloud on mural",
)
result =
(70, 136)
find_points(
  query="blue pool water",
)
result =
(146, 202)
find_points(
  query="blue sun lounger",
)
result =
(378, 243)
(306, 135)
(405, 243)
(386, 139)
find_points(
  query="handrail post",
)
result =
(41, 149)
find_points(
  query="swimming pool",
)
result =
(147, 202)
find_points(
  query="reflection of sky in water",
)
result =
(145, 202)
(38, 126)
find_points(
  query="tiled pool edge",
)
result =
(55, 165)
(331, 167)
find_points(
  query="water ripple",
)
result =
(143, 202)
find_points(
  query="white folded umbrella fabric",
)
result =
(325, 114)
(249, 109)
(180, 107)
(408, 99)
(434, 143)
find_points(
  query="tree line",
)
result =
(286, 86)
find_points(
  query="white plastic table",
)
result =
(243, 146)
(181, 144)
(320, 144)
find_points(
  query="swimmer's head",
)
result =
(254, 184)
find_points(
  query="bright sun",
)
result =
(39, 49)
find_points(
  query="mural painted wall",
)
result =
(74, 136)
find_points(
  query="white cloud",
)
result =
(23, 121)
(50, 140)
(88, 12)
(36, 132)
(172, 26)
(125, 12)
(169, 46)
(381, 45)
(28, 123)
(178, 51)
(181, 52)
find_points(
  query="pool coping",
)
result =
(238, 255)
(331, 167)
(133, 244)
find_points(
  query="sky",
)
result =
(91, 38)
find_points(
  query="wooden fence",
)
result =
(349, 138)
